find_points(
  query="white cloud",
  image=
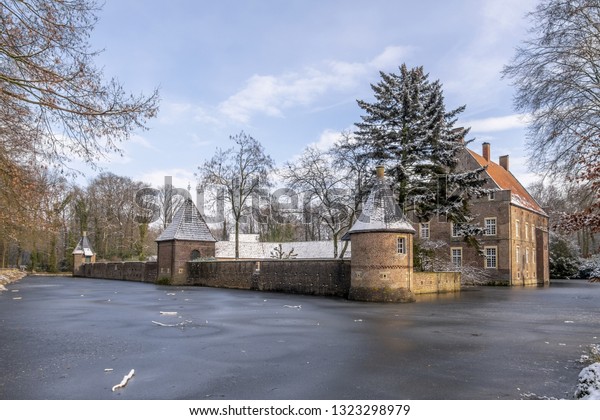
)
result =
(270, 95)
(494, 124)
(390, 57)
(142, 141)
(476, 67)
(205, 116)
(181, 178)
(173, 112)
(327, 139)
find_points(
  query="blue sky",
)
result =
(289, 72)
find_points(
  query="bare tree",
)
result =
(54, 103)
(48, 79)
(170, 199)
(241, 171)
(563, 200)
(325, 188)
(557, 76)
(118, 226)
(350, 157)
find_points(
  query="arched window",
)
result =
(194, 255)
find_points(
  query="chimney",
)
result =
(486, 151)
(380, 171)
(503, 161)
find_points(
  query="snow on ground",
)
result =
(588, 387)
(589, 383)
(10, 276)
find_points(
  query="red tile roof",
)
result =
(507, 181)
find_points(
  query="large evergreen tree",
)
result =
(409, 131)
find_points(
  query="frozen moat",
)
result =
(70, 338)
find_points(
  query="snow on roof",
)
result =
(187, 225)
(83, 247)
(261, 250)
(507, 181)
(381, 212)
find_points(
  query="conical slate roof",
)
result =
(187, 225)
(380, 212)
(83, 247)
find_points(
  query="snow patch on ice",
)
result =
(126, 379)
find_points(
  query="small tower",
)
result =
(185, 239)
(83, 253)
(382, 241)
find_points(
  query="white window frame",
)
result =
(456, 256)
(527, 256)
(533, 232)
(492, 229)
(526, 231)
(424, 230)
(401, 245)
(492, 196)
(518, 255)
(488, 256)
(517, 228)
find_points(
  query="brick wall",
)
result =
(379, 272)
(314, 277)
(498, 209)
(174, 255)
(438, 282)
(228, 274)
(130, 271)
(165, 259)
(528, 243)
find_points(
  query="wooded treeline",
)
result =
(105, 209)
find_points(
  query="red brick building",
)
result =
(186, 239)
(515, 241)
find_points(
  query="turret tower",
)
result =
(382, 242)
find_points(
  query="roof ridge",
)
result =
(194, 230)
(506, 180)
